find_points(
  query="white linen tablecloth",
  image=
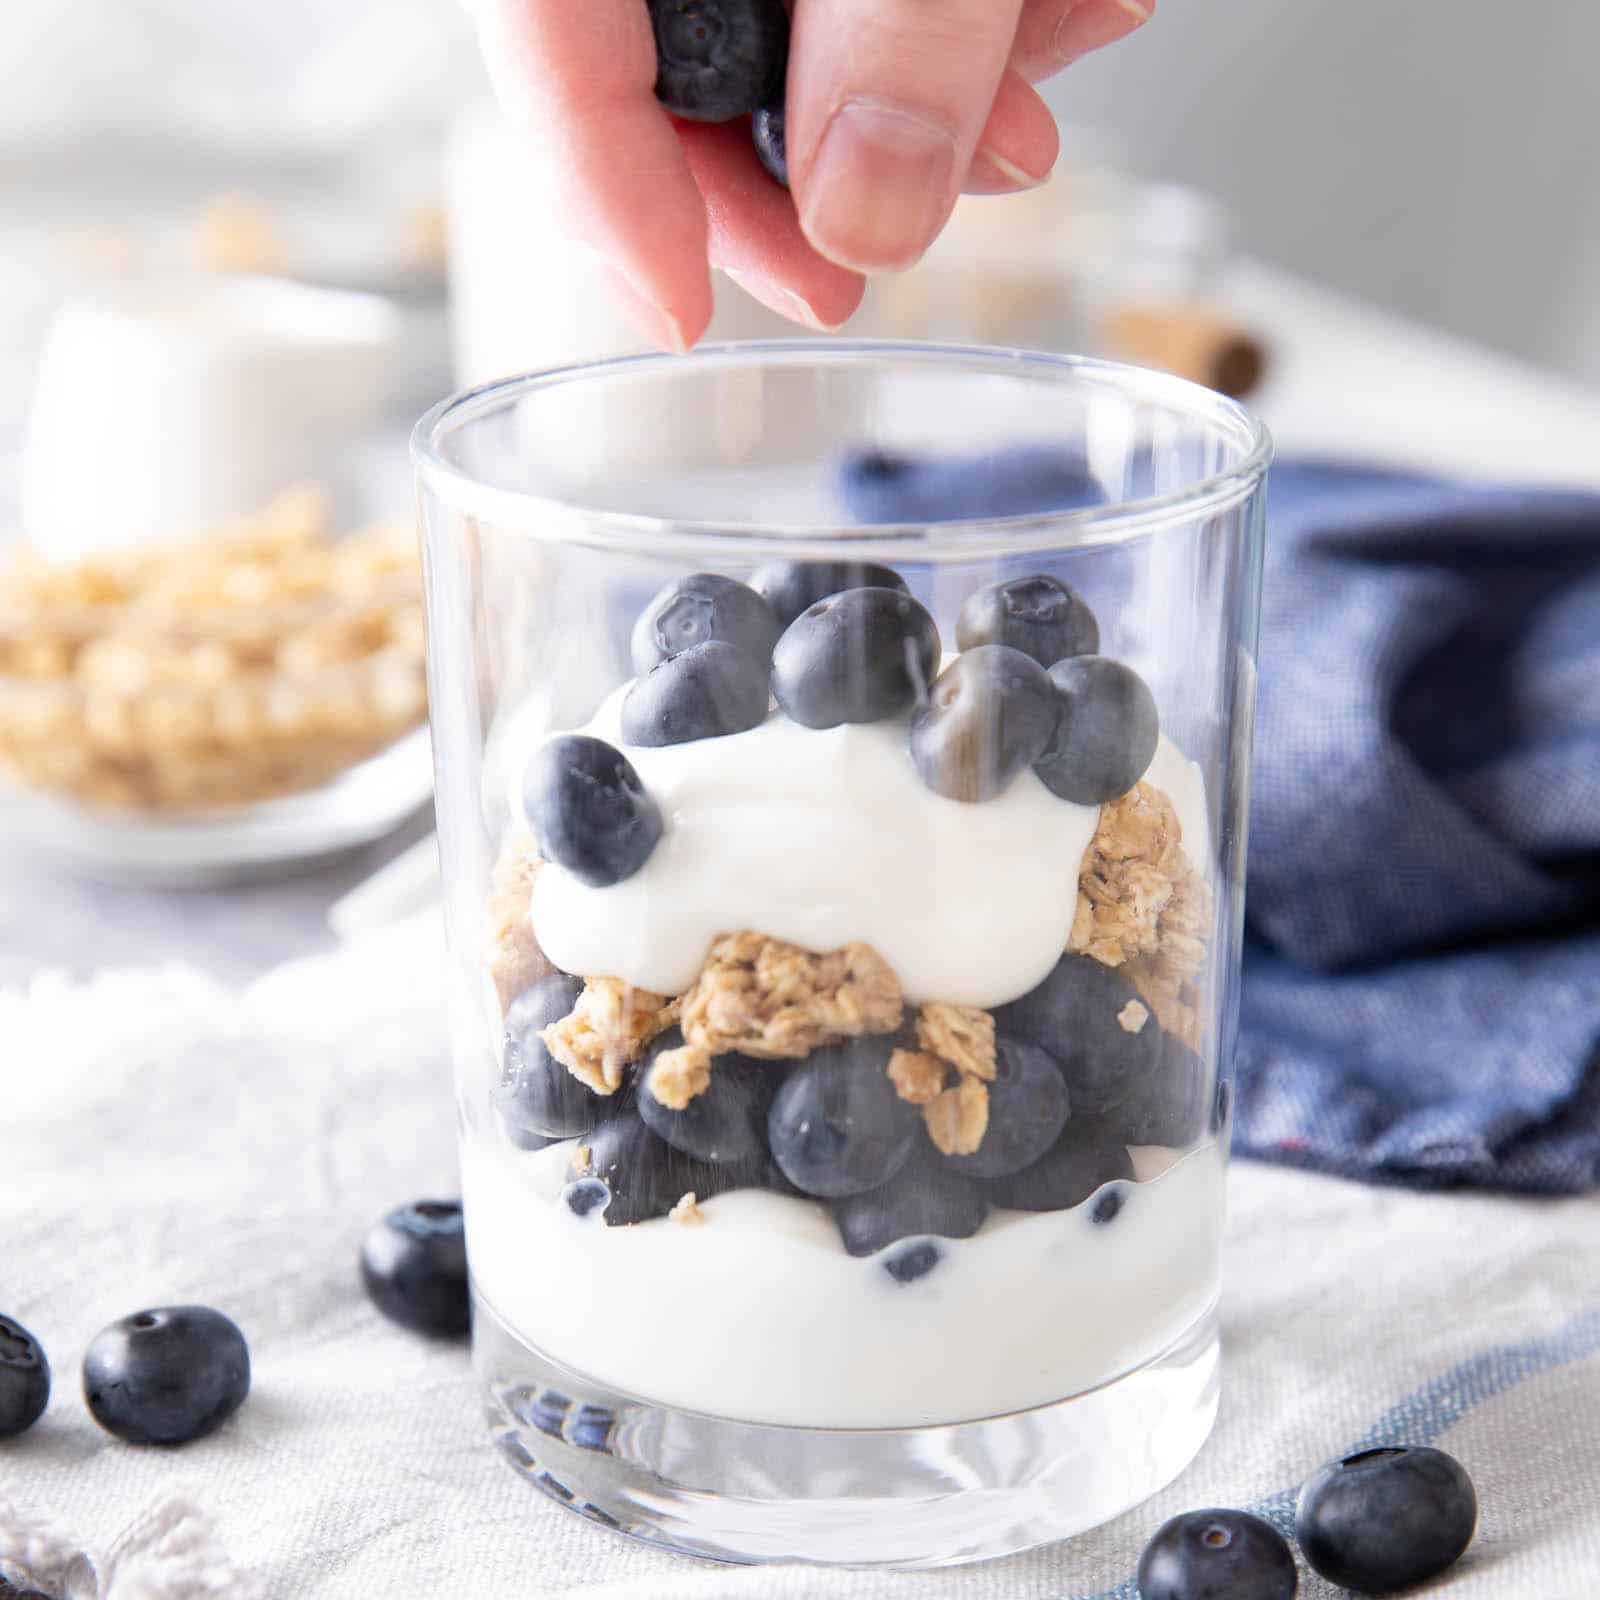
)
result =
(164, 1138)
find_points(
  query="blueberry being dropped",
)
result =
(859, 656)
(1217, 1555)
(707, 691)
(1387, 1518)
(767, 134)
(924, 1197)
(1028, 1104)
(1038, 615)
(536, 1094)
(167, 1375)
(589, 809)
(697, 609)
(1086, 1156)
(718, 59)
(727, 1120)
(645, 1176)
(1107, 734)
(24, 1379)
(989, 717)
(837, 1127)
(791, 587)
(414, 1267)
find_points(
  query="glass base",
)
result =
(893, 1497)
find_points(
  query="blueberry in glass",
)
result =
(791, 587)
(1028, 1106)
(1086, 1155)
(1106, 737)
(704, 692)
(926, 1196)
(536, 1093)
(727, 1120)
(1038, 615)
(697, 609)
(589, 809)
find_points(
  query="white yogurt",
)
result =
(758, 1314)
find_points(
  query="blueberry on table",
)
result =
(859, 656)
(924, 1197)
(791, 587)
(707, 691)
(1038, 615)
(1385, 1519)
(727, 1120)
(881, 486)
(1217, 1555)
(1085, 1157)
(1107, 734)
(414, 1266)
(166, 1376)
(24, 1379)
(1080, 1014)
(536, 1094)
(990, 715)
(643, 1176)
(697, 609)
(718, 59)
(589, 810)
(767, 134)
(837, 1127)
(1028, 1104)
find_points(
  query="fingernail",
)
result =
(991, 173)
(1086, 28)
(654, 322)
(777, 298)
(880, 186)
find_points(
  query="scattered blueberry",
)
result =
(24, 1379)
(697, 609)
(912, 1261)
(1038, 615)
(1217, 1555)
(718, 59)
(1108, 1207)
(880, 486)
(536, 1094)
(1168, 1105)
(1386, 1519)
(1087, 1156)
(837, 1127)
(1028, 1106)
(166, 1376)
(727, 1120)
(989, 717)
(1107, 734)
(923, 1197)
(1074, 1014)
(704, 692)
(589, 809)
(791, 587)
(646, 1177)
(414, 1266)
(585, 1196)
(767, 133)
(859, 656)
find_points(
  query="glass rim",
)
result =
(567, 521)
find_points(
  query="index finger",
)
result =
(579, 78)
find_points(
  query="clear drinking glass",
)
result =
(843, 1078)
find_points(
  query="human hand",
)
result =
(895, 107)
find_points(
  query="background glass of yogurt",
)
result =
(723, 1375)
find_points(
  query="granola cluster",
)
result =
(259, 661)
(948, 1074)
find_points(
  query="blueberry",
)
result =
(1168, 1105)
(837, 1127)
(1107, 734)
(882, 486)
(1038, 615)
(1386, 1519)
(645, 1176)
(589, 809)
(791, 587)
(166, 1376)
(1086, 1156)
(1075, 1015)
(414, 1267)
(859, 656)
(590, 1427)
(698, 609)
(912, 1261)
(708, 690)
(990, 716)
(523, 1139)
(767, 133)
(727, 1120)
(718, 59)
(1217, 1555)
(1108, 1206)
(24, 1379)
(586, 1196)
(536, 1094)
(1028, 1106)
(923, 1197)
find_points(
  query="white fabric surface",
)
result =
(166, 1139)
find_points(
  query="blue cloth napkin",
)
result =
(1421, 998)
